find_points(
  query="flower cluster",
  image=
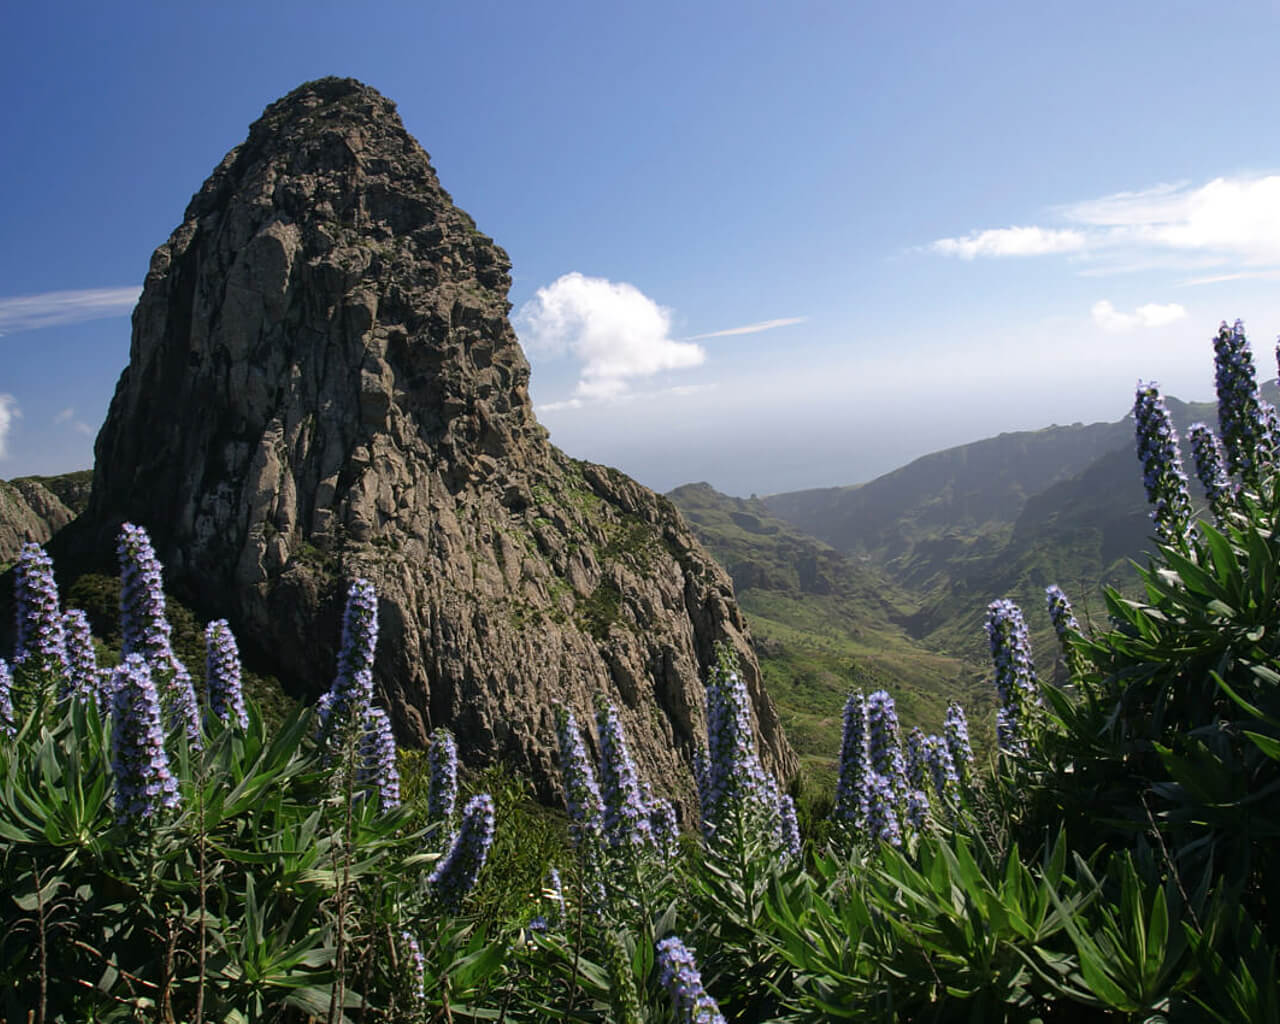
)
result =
(1065, 626)
(416, 966)
(915, 758)
(1162, 472)
(1211, 470)
(376, 758)
(222, 673)
(664, 828)
(678, 973)
(1242, 417)
(41, 644)
(882, 814)
(626, 816)
(8, 726)
(442, 784)
(955, 728)
(884, 747)
(456, 873)
(144, 783)
(581, 794)
(734, 779)
(352, 691)
(145, 628)
(790, 825)
(855, 763)
(941, 768)
(82, 663)
(1015, 674)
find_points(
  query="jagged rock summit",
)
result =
(323, 384)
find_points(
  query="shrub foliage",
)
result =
(166, 856)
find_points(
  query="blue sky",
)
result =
(939, 221)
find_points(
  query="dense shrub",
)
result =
(166, 856)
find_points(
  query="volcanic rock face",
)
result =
(28, 512)
(323, 384)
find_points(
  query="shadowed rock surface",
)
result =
(323, 384)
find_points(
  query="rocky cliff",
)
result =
(323, 384)
(29, 511)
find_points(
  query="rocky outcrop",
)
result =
(323, 384)
(29, 511)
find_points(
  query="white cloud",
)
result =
(9, 412)
(1224, 221)
(63, 416)
(1016, 241)
(763, 325)
(616, 331)
(1110, 319)
(52, 309)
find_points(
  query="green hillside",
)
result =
(825, 623)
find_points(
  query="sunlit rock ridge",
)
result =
(323, 384)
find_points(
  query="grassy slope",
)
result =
(824, 623)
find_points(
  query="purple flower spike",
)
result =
(416, 966)
(146, 631)
(1015, 675)
(1211, 470)
(377, 759)
(855, 763)
(916, 768)
(81, 660)
(352, 691)
(664, 828)
(955, 728)
(144, 783)
(789, 826)
(941, 769)
(456, 873)
(581, 793)
(442, 785)
(1246, 433)
(222, 673)
(1162, 472)
(626, 818)
(734, 781)
(8, 724)
(884, 746)
(882, 815)
(41, 644)
(679, 975)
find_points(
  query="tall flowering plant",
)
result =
(1162, 472)
(1244, 419)
(146, 631)
(1015, 675)
(41, 652)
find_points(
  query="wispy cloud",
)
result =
(1026, 241)
(616, 331)
(68, 415)
(1225, 221)
(1110, 319)
(54, 309)
(9, 412)
(763, 325)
